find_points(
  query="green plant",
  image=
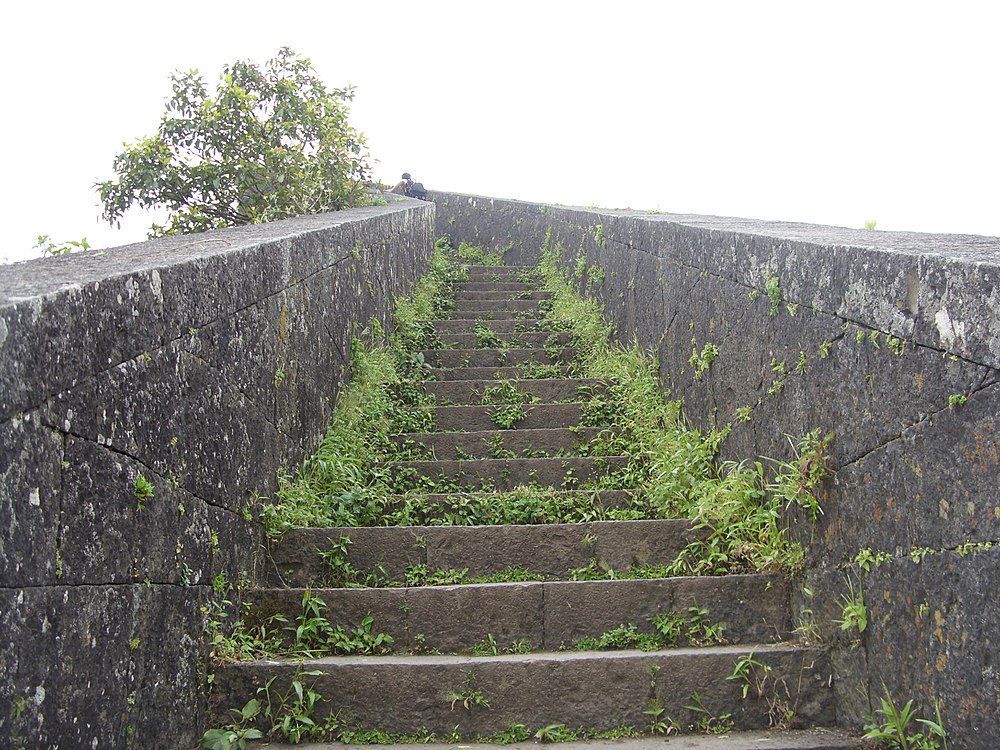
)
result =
(476, 255)
(854, 612)
(418, 574)
(273, 142)
(467, 696)
(659, 722)
(506, 416)
(555, 733)
(772, 288)
(870, 223)
(703, 360)
(47, 247)
(313, 635)
(707, 721)
(807, 630)
(956, 399)
(515, 732)
(895, 730)
(143, 491)
(235, 734)
(866, 558)
(752, 673)
(487, 338)
(291, 714)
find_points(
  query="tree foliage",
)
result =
(273, 142)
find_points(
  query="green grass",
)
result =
(739, 506)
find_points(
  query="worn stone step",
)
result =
(548, 615)
(465, 325)
(548, 390)
(524, 371)
(598, 690)
(523, 441)
(491, 272)
(548, 550)
(465, 295)
(497, 304)
(505, 473)
(548, 505)
(479, 314)
(519, 340)
(533, 416)
(495, 357)
(488, 285)
(818, 738)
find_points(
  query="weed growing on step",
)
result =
(342, 574)
(489, 647)
(670, 629)
(659, 722)
(897, 728)
(506, 416)
(291, 714)
(536, 371)
(475, 255)
(313, 635)
(235, 734)
(707, 721)
(741, 507)
(487, 338)
(468, 696)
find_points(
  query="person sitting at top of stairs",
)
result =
(408, 187)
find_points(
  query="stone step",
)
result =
(547, 550)
(528, 293)
(484, 695)
(495, 357)
(523, 441)
(498, 304)
(822, 738)
(491, 273)
(499, 373)
(550, 616)
(531, 506)
(505, 473)
(466, 325)
(519, 340)
(532, 416)
(479, 314)
(493, 286)
(547, 390)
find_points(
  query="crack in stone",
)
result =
(136, 459)
(907, 429)
(236, 389)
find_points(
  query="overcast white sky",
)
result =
(830, 113)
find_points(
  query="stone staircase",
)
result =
(476, 658)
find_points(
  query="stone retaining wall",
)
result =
(891, 341)
(204, 365)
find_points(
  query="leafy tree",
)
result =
(273, 142)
